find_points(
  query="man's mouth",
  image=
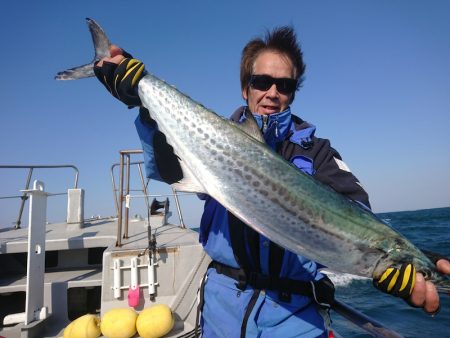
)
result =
(271, 108)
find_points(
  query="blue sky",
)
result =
(377, 85)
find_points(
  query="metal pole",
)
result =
(119, 217)
(177, 202)
(121, 195)
(36, 253)
(366, 323)
(127, 193)
(144, 186)
(24, 199)
(113, 182)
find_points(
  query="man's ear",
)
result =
(245, 93)
(292, 98)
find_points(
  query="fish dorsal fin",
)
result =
(250, 127)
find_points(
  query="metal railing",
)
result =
(24, 196)
(123, 191)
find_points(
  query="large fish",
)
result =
(231, 163)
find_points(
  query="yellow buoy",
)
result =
(119, 323)
(155, 321)
(87, 326)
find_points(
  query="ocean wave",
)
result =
(342, 279)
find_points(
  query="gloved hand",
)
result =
(422, 294)
(121, 79)
(160, 161)
(397, 282)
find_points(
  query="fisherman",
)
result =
(253, 287)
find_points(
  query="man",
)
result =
(254, 287)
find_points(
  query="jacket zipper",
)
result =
(264, 121)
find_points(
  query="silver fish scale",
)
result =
(264, 190)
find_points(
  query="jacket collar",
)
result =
(281, 126)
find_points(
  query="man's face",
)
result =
(265, 102)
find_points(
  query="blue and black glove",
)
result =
(397, 282)
(121, 80)
(161, 163)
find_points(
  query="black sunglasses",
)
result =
(264, 82)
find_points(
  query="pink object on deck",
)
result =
(133, 296)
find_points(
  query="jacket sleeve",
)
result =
(161, 163)
(146, 129)
(332, 171)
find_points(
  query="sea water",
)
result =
(428, 229)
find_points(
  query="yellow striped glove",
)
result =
(397, 282)
(121, 80)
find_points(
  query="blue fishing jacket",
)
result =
(229, 310)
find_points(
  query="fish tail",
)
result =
(101, 46)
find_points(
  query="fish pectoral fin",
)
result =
(188, 183)
(250, 127)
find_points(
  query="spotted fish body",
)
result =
(270, 194)
(234, 166)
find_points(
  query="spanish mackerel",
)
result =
(231, 163)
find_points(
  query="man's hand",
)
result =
(120, 75)
(397, 282)
(117, 55)
(424, 293)
(411, 286)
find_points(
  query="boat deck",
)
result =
(80, 259)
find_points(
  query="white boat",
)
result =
(53, 273)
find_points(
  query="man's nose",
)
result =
(272, 91)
